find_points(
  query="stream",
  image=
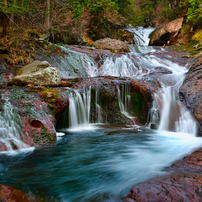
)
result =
(100, 162)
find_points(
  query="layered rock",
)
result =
(166, 33)
(37, 73)
(191, 92)
(113, 45)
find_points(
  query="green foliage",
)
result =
(102, 5)
(77, 7)
(94, 6)
(194, 13)
(19, 6)
(168, 13)
(184, 29)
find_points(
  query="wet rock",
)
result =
(36, 112)
(191, 93)
(8, 194)
(113, 45)
(165, 34)
(153, 126)
(107, 90)
(184, 183)
(37, 73)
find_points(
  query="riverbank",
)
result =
(182, 183)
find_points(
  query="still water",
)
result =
(94, 165)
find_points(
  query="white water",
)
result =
(141, 35)
(10, 127)
(98, 108)
(173, 115)
(79, 109)
(124, 99)
(102, 166)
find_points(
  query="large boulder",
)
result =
(113, 45)
(166, 33)
(191, 91)
(37, 73)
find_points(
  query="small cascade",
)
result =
(174, 116)
(141, 34)
(97, 107)
(79, 108)
(123, 66)
(153, 116)
(10, 128)
(124, 99)
(73, 64)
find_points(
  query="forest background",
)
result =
(79, 21)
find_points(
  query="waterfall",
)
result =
(139, 63)
(153, 117)
(72, 63)
(98, 108)
(124, 99)
(79, 108)
(141, 34)
(174, 116)
(10, 127)
(123, 66)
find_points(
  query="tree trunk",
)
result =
(4, 24)
(47, 19)
(5, 2)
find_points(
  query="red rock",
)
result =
(190, 91)
(184, 183)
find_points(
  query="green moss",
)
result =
(19, 94)
(44, 137)
(138, 103)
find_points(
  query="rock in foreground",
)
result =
(37, 73)
(184, 183)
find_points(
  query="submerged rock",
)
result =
(164, 34)
(113, 45)
(37, 73)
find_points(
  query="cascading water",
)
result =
(141, 35)
(10, 127)
(79, 109)
(174, 116)
(104, 163)
(124, 99)
(98, 108)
